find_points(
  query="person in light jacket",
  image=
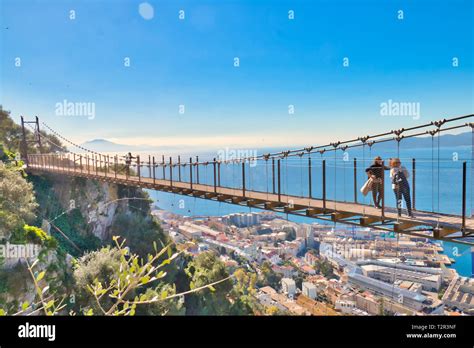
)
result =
(399, 176)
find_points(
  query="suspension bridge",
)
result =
(328, 187)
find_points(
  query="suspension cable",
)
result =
(472, 169)
(432, 173)
(438, 177)
(312, 148)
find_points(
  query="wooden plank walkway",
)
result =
(426, 224)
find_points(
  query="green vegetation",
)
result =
(269, 276)
(290, 233)
(11, 136)
(140, 232)
(17, 201)
(64, 221)
(85, 275)
(37, 236)
(205, 269)
(243, 300)
(34, 235)
(324, 267)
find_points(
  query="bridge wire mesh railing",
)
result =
(437, 184)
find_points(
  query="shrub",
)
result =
(36, 235)
(17, 201)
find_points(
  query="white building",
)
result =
(242, 220)
(460, 294)
(189, 232)
(429, 278)
(407, 298)
(309, 290)
(349, 307)
(288, 286)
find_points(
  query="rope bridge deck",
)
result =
(182, 177)
(424, 224)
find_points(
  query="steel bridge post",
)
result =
(215, 176)
(163, 165)
(191, 172)
(138, 168)
(115, 166)
(171, 171)
(464, 175)
(24, 146)
(96, 166)
(149, 166)
(74, 158)
(273, 174)
(324, 184)
(383, 190)
(413, 182)
(310, 187)
(197, 169)
(279, 181)
(243, 178)
(179, 168)
(38, 130)
(106, 160)
(154, 176)
(355, 180)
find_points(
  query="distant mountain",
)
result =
(103, 145)
(447, 140)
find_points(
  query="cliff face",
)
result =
(85, 214)
(84, 207)
(97, 202)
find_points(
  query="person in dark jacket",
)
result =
(399, 175)
(375, 171)
(128, 163)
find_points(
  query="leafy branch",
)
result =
(133, 274)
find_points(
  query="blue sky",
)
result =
(191, 62)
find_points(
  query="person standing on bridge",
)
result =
(375, 172)
(399, 175)
(128, 163)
